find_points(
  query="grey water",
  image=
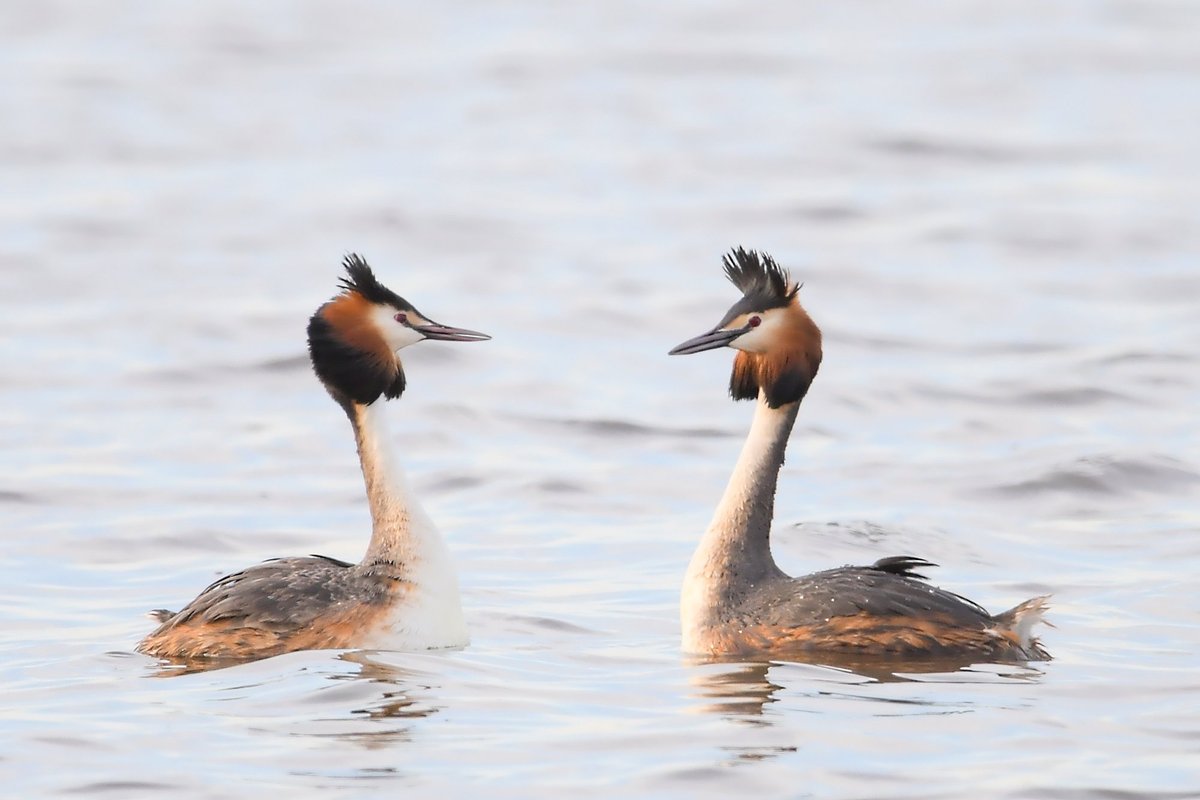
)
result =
(995, 211)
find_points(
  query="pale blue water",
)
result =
(993, 207)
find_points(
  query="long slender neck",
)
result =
(735, 552)
(400, 529)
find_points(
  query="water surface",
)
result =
(993, 208)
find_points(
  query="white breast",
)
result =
(428, 616)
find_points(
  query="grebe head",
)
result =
(779, 345)
(353, 339)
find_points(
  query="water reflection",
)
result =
(403, 696)
(743, 690)
(384, 702)
(165, 668)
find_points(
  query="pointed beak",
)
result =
(715, 338)
(444, 333)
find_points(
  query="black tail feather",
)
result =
(903, 565)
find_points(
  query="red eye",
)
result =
(402, 318)
(755, 322)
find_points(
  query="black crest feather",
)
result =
(763, 282)
(360, 278)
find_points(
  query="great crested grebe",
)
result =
(404, 593)
(735, 600)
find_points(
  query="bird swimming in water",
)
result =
(735, 600)
(403, 594)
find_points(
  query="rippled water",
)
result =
(993, 208)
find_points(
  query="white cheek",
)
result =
(395, 334)
(758, 340)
